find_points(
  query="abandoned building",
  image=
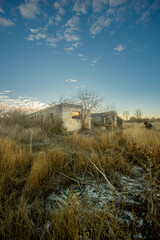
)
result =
(70, 114)
(108, 119)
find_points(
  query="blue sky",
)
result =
(51, 48)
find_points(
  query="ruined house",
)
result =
(107, 119)
(70, 114)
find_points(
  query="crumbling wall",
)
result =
(107, 119)
(70, 121)
(70, 114)
(55, 111)
(120, 122)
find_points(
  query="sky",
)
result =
(50, 49)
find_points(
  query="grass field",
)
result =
(87, 185)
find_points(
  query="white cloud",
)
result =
(72, 23)
(50, 21)
(51, 42)
(70, 33)
(148, 12)
(95, 61)
(3, 97)
(69, 49)
(6, 91)
(5, 22)
(58, 18)
(112, 32)
(1, 10)
(99, 5)
(59, 8)
(82, 57)
(70, 80)
(30, 9)
(39, 36)
(71, 37)
(30, 37)
(100, 24)
(115, 3)
(119, 48)
(23, 103)
(56, 5)
(81, 6)
(34, 30)
(75, 45)
(36, 34)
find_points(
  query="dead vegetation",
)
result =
(88, 185)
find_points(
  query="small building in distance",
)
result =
(109, 120)
(70, 114)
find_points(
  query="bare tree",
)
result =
(89, 101)
(126, 115)
(105, 107)
(60, 100)
(138, 114)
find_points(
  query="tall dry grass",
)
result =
(27, 177)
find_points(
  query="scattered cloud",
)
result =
(30, 9)
(121, 14)
(99, 5)
(81, 6)
(36, 34)
(72, 23)
(51, 42)
(71, 37)
(7, 91)
(34, 30)
(72, 29)
(59, 8)
(50, 21)
(71, 80)
(75, 45)
(101, 22)
(115, 3)
(148, 11)
(3, 97)
(27, 104)
(99, 14)
(83, 57)
(112, 32)
(119, 48)
(39, 36)
(95, 61)
(58, 19)
(5, 22)
(1, 10)
(69, 49)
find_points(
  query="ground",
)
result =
(94, 184)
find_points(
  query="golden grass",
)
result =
(26, 177)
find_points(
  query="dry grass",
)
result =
(27, 177)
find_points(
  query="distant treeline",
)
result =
(134, 119)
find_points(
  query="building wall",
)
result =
(107, 119)
(70, 122)
(64, 112)
(120, 122)
(55, 111)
